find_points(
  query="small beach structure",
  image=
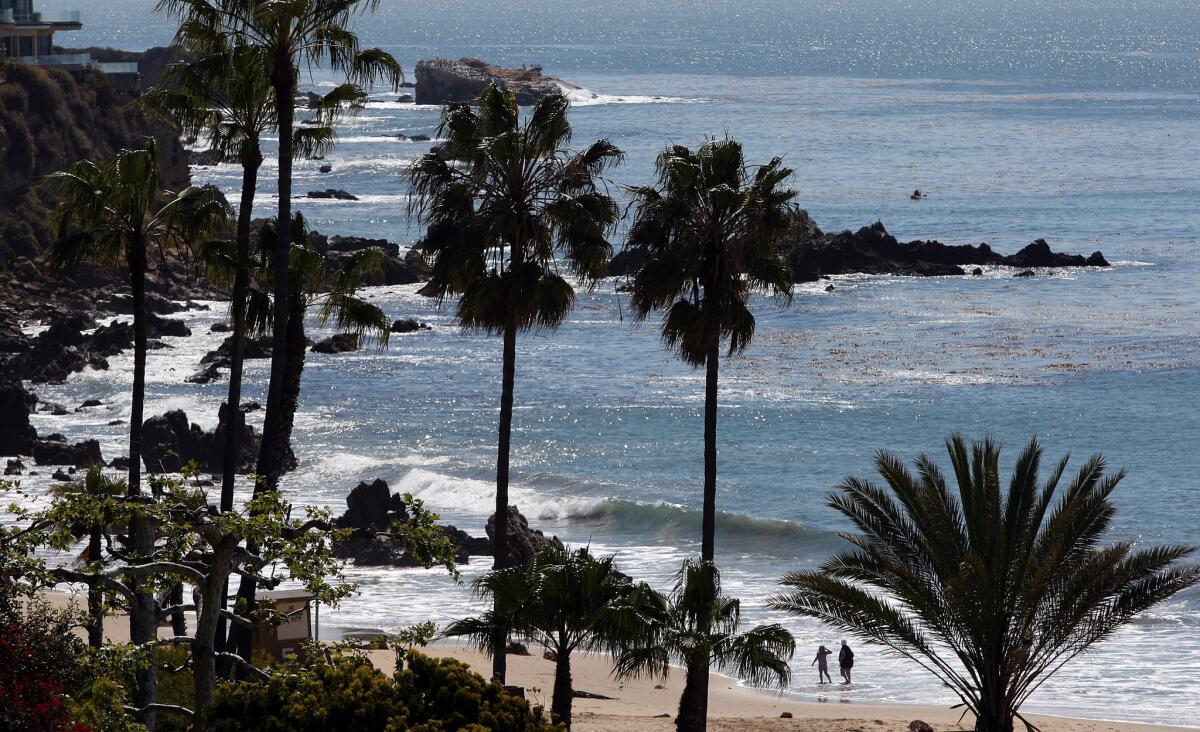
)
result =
(301, 614)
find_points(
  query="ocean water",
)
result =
(1072, 121)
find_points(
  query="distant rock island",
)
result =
(814, 254)
(440, 81)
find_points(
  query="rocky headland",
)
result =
(441, 81)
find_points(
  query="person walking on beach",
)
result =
(822, 662)
(846, 661)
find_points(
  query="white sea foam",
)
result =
(580, 97)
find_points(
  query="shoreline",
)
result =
(648, 705)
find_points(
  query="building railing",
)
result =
(116, 67)
(6, 16)
(59, 16)
(57, 59)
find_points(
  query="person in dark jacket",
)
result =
(846, 661)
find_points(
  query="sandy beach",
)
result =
(649, 705)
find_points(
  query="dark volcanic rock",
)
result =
(333, 193)
(440, 81)
(14, 467)
(408, 325)
(157, 327)
(372, 511)
(16, 433)
(337, 343)
(358, 243)
(205, 158)
(1038, 254)
(222, 357)
(523, 542)
(55, 450)
(169, 441)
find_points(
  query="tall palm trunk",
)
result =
(500, 533)
(268, 463)
(241, 285)
(709, 527)
(234, 428)
(560, 704)
(297, 344)
(95, 595)
(143, 615)
(284, 79)
(693, 703)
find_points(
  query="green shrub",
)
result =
(347, 694)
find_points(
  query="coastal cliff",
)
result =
(440, 81)
(50, 119)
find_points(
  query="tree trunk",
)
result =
(708, 530)
(500, 537)
(272, 421)
(95, 594)
(241, 285)
(560, 705)
(267, 470)
(233, 401)
(693, 703)
(143, 610)
(993, 716)
(204, 669)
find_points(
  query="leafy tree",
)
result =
(564, 600)
(290, 35)
(114, 211)
(347, 694)
(199, 545)
(698, 627)
(708, 234)
(991, 590)
(502, 198)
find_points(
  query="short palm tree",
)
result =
(698, 627)
(503, 198)
(116, 211)
(564, 600)
(290, 35)
(991, 590)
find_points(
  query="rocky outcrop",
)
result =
(17, 435)
(335, 193)
(55, 450)
(814, 254)
(523, 542)
(337, 343)
(222, 357)
(408, 325)
(169, 442)
(372, 510)
(440, 81)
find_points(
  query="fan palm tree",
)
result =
(709, 234)
(290, 34)
(991, 590)
(698, 627)
(502, 199)
(564, 600)
(115, 211)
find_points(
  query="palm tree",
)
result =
(992, 591)
(708, 235)
(698, 627)
(118, 210)
(502, 198)
(290, 34)
(226, 98)
(564, 600)
(333, 294)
